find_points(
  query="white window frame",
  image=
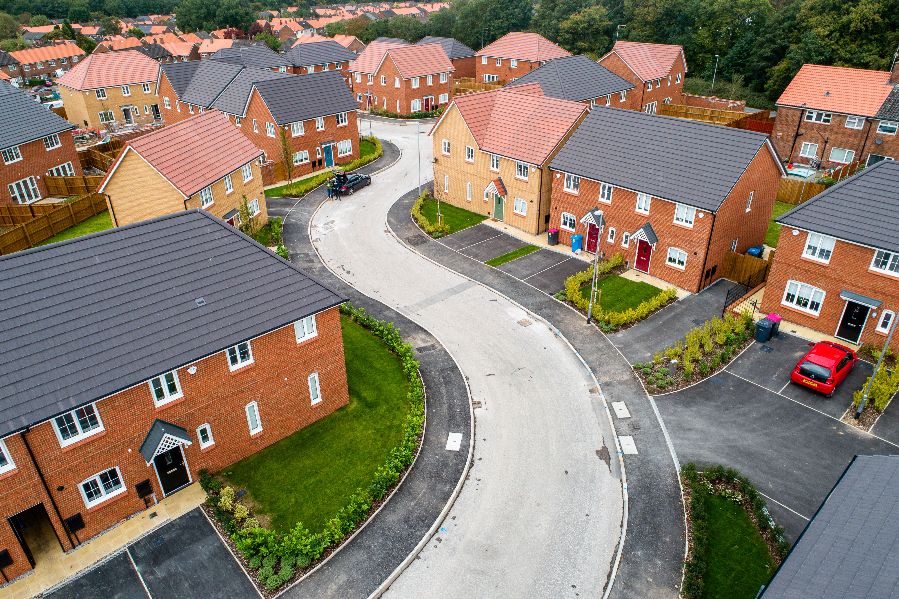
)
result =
(315, 389)
(520, 207)
(105, 495)
(622, 96)
(301, 157)
(468, 191)
(168, 395)
(319, 123)
(358, 75)
(445, 147)
(444, 77)
(605, 192)
(145, 87)
(430, 80)
(237, 362)
(384, 80)
(247, 172)
(567, 217)
(513, 63)
(82, 433)
(887, 127)
(51, 142)
(808, 150)
(126, 90)
(416, 82)
(676, 258)
(818, 116)
(229, 184)
(415, 105)
(4, 453)
(254, 407)
(818, 247)
(811, 296)
(489, 78)
(343, 119)
(344, 148)
(100, 93)
(847, 158)
(63, 170)
(483, 60)
(371, 79)
(396, 82)
(469, 154)
(854, 122)
(297, 129)
(522, 167)
(684, 215)
(611, 235)
(572, 184)
(625, 239)
(305, 329)
(883, 326)
(749, 201)
(210, 439)
(24, 191)
(494, 163)
(445, 183)
(253, 207)
(499, 62)
(890, 259)
(643, 198)
(270, 129)
(442, 98)
(206, 197)
(11, 155)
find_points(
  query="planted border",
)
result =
(276, 559)
(435, 230)
(421, 114)
(303, 186)
(727, 483)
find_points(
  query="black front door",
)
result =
(853, 322)
(172, 470)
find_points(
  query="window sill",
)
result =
(241, 367)
(814, 260)
(641, 212)
(802, 311)
(684, 225)
(171, 402)
(109, 500)
(256, 434)
(888, 275)
(81, 441)
(676, 266)
(209, 447)
(8, 473)
(571, 192)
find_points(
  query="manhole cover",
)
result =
(525, 322)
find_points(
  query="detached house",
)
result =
(462, 57)
(581, 79)
(315, 57)
(111, 90)
(831, 116)
(203, 162)
(656, 70)
(836, 269)
(514, 55)
(164, 347)
(671, 212)
(401, 78)
(492, 152)
(49, 61)
(34, 142)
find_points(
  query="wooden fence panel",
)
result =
(71, 186)
(13, 215)
(743, 267)
(45, 226)
(797, 191)
(696, 113)
(467, 85)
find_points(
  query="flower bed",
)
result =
(415, 115)
(739, 560)
(702, 352)
(883, 390)
(275, 559)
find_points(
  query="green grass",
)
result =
(513, 255)
(366, 148)
(264, 233)
(308, 476)
(98, 222)
(773, 233)
(738, 558)
(455, 218)
(298, 188)
(620, 294)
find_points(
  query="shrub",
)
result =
(226, 499)
(282, 251)
(363, 160)
(432, 229)
(884, 386)
(415, 115)
(241, 512)
(575, 282)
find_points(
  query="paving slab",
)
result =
(469, 236)
(491, 248)
(113, 579)
(552, 281)
(532, 264)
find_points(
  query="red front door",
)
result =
(428, 102)
(592, 238)
(644, 252)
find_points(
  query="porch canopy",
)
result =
(162, 437)
(646, 233)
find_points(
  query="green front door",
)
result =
(498, 206)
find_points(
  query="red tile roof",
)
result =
(370, 59)
(120, 43)
(178, 48)
(524, 46)
(213, 45)
(837, 89)
(109, 69)
(40, 28)
(517, 122)
(89, 30)
(417, 61)
(311, 39)
(191, 38)
(53, 52)
(647, 61)
(159, 38)
(500, 186)
(196, 152)
(346, 40)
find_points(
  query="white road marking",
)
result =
(621, 410)
(628, 447)
(546, 269)
(478, 242)
(136, 571)
(789, 509)
(454, 441)
(784, 387)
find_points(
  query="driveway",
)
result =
(183, 558)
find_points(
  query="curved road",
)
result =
(540, 514)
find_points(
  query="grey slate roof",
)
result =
(314, 53)
(233, 99)
(889, 110)
(180, 74)
(575, 78)
(33, 36)
(261, 57)
(850, 548)
(679, 160)
(154, 437)
(101, 313)
(393, 40)
(862, 209)
(23, 120)
(454, 48)
(6, 59)
(302, 97)
(209, 81)
(154, 51)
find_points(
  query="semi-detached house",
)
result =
(669, 209)
(581, 79)
(326, 55)
(164, 347)
(462, 57)
(656, 70)
(836, 269)
(514, 55)
(48, 61)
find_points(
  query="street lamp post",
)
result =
(618, 31)
(861, 404)
(599, 222)
(715, 73)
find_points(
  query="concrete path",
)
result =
(541, 512)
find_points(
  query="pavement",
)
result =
(541, 512)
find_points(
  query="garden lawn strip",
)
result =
(513, 255)
(370, 149)
(618, 294)
(454, 218)
(773, 233)
(95, 224)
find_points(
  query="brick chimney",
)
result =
(894, 74)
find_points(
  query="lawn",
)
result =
(308, 476)
(513, 255)
(96, 223)
(455, 218)
(366, 148)
(773, 233)
(264, 233)
(738, 559)
(620, 294)
(367, 151)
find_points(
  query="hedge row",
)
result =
(884, 386)
(421, 114)
(432, 229)
(275, 557)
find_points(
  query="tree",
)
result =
(135, 32)
(110, 26)
(79, 11)
(358, 27)
(270, 40)
(286, 154)
(407, 28)
(336, 28)
(549, 15)
(586, 32)
(13, 44)
(39, 20)
(479, 22)
(441, 23)
(194, 15)
(9, 28)
(234, 13)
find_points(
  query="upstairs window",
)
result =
(165, 388)
(270, 129)
(445, 147)
(396, 82)
(6, 463)
(855, 122)
(145, 87)
(817, 116)
(247, 171)
(605, 193)
(622, 96)
(415, 82)
(239, 355)
(342, 119)
(494, 162)
(513, 63)
(305, 328)
(572, 183)
(469, 154)
(483, 60)
(430, 80)
(749, 201)
(11, 155)
(126, 90)
(51, 142)
(229, 185)
(297, 129)
(643, 202)
(444, 77)
(384, 80)
(77, 424)
(886, 262)
(371, 79)
(888, 127)
(100, 93)
(521, 170)
(206, 199)
(319, 123)
(684, 215)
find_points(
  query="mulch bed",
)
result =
(676, 377)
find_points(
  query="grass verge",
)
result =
(96, 223)
(370, 149)
(617, 294)
(513, 255)
(773, 233)
(454, 218)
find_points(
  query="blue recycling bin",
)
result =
(756, 251)
(577, 243)
(763, 330)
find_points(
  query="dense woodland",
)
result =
(760, 44)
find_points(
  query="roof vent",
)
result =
(200, 302)
(826, 93)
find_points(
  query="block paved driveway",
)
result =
(788, 440)
(183, 558)
(544, 269)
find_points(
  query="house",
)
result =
(831, 116)
(180, 51)
(460, 55)
(857, 520)
(117, 43)
(258, 56)
(350, 42)
(34, 142)
(320, 56)
(402, 78)
(211, 45)
(164, 347)
(111, 90)
(836, 269)
(514, 55)
(581, 79)
(492, 152)
(656, 70)
(670, 211)
(10, 67)
(155, 51)
(49, 61)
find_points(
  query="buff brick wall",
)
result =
(83, 108)
(504, 71)
(223, 202)
(36, 161)
(277, 381)
(404, 94)
(862, 141)
(640, 96)
(849, 269)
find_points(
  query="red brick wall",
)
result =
(849, 269)
(36, 161)
(277, 381)
(404, 94)
(503, 71)
(46, 70)
(176, 112)
(643, 96)
(465, 67)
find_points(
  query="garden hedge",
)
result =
(432, 229)
(304, 186)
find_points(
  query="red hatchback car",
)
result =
(824, 367)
